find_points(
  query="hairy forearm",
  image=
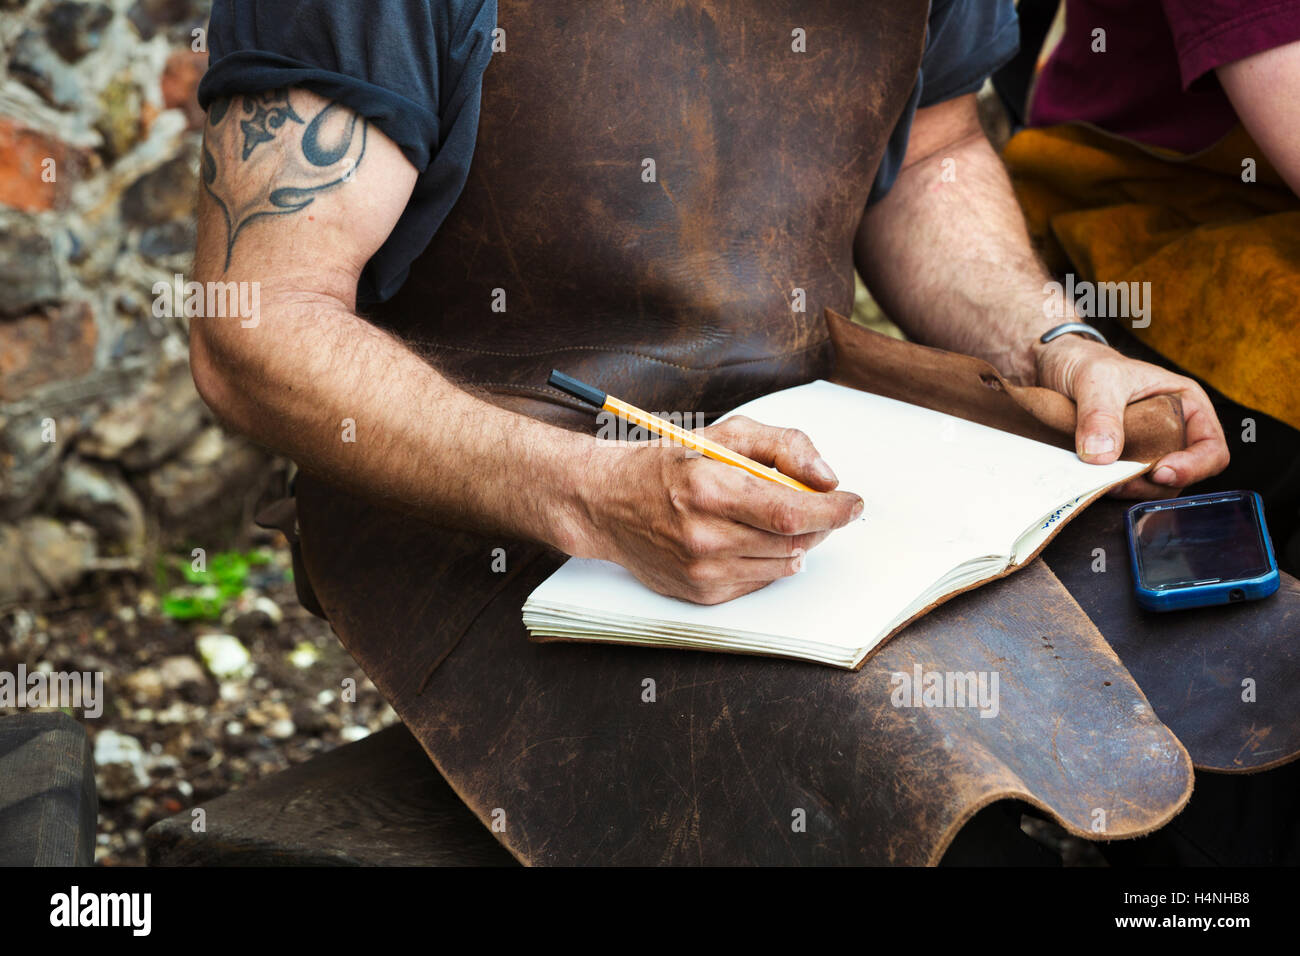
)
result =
(349, 402)
(298, 195)
(951, 261)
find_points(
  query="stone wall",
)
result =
(106, 450)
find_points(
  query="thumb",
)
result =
(1099, 428)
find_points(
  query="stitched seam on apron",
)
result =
(649, 358)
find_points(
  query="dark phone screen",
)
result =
(1199, 542)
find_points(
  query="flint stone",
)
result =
(75, 29)
(59, 554)
(165, 194)
(29, 465)
(212, 474)
(149, 426)
(29, 274)
(39, 68)
(104, 501)
(46, 346)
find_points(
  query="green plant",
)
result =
(209, 591)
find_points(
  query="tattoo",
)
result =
(268, 112)
(284, 160)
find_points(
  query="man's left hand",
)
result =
(1102, 382)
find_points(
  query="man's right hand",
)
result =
(696, 529)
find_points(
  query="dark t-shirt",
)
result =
(967, 40)
(414, 68)
(1155, 81)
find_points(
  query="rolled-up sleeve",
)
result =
(1210, 33)
(966, 42)
(412, 68)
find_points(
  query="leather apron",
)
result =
(675, 291)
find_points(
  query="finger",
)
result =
(1099, 429)
(1206, 453)
(747, 542)
(768, 570)
(723, 539)
(788, 450)
(767, 506)
(714, 582)
(1141, 488)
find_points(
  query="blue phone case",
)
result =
(1204, 595)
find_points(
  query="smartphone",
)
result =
(1201, 550)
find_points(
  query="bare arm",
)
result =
(297, 195)
(1265, 92)
(949, 259)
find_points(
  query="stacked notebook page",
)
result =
(949, 504)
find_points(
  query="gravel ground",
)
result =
(177, 729)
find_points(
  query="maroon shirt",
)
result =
(1156, 83)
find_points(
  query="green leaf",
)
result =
(191, 607)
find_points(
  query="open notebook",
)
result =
(949, 504)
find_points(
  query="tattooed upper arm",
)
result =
(294, 185)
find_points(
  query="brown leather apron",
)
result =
(676, 294)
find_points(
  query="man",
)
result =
(312, 170)
(661, 198)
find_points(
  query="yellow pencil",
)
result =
(657, 426)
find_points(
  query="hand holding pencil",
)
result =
(666, 429)
(691, 529)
